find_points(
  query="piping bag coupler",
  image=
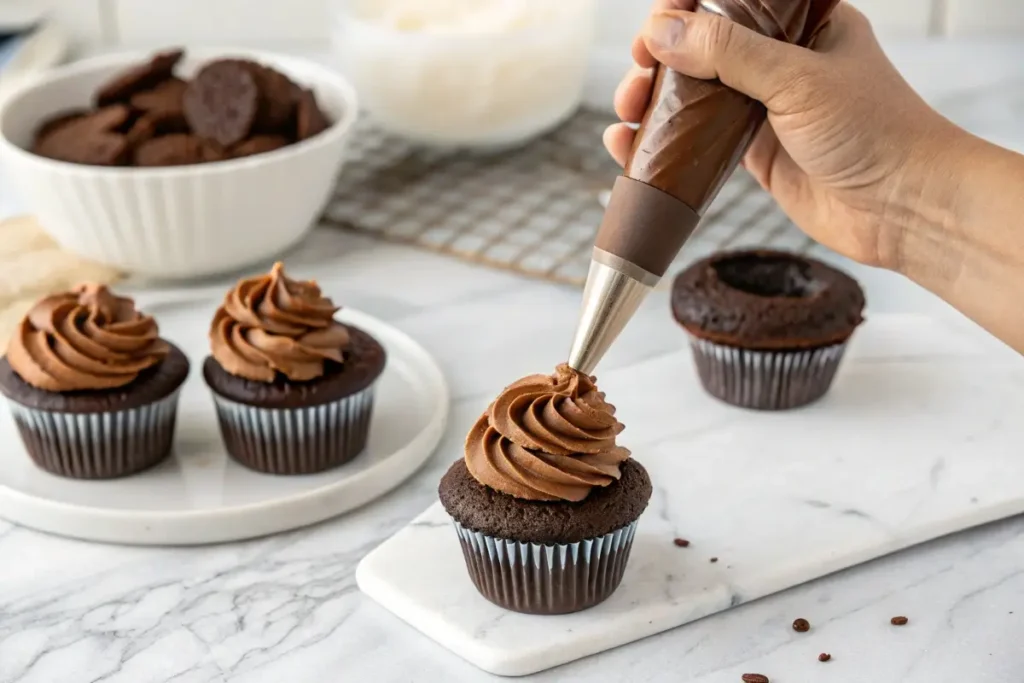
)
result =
(693, 136)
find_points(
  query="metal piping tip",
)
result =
(612, 295)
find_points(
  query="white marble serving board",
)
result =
(921, 437)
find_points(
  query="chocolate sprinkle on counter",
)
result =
(801, 626)
(899, 621)
(824, 657)
(755, 678)
(714, 559)
(681, 543)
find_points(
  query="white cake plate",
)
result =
(202, 496)
(920, 437)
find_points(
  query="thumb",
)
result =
(706, 46)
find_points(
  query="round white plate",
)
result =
(202, 496)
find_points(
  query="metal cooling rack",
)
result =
(533, 210)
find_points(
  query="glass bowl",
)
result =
(466, 73)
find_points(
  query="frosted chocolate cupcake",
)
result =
(293, 387)
(768, 329)
(92, 387)
(545, 502)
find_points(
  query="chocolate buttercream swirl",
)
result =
(272, 324)
(85, 339)
(547, 438)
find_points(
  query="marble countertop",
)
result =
(286, 608)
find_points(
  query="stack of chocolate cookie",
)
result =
(148, 116)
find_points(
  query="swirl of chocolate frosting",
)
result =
(272, 324)
(547, 438)
(85, 339)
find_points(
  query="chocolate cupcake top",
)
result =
(271, 325)
(760, 299)
(85, 339)
(547, 438)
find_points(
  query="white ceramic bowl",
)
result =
(182, 221)
(478, 84)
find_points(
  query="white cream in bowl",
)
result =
(466, 72)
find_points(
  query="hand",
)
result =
(849, 151)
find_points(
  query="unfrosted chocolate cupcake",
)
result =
(92, 387)
(768, 329)
(545, 502)
(293, 387)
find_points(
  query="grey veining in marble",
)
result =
(286, 608)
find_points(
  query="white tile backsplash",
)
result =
(985, 17)
(898, 17)
(226, 22)
(619, 20)
(304, 22)
(84, 20)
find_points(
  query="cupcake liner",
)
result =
(534, 578)
(296, 440)
(766, 380)
(103, 445)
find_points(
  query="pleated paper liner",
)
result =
(766, 380)
(296, 440)
(546, 579)
(103, 445)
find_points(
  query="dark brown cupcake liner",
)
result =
(546, 579)
(766, 380)
(296, 440)
(102, 445)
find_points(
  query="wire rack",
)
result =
(533, 210)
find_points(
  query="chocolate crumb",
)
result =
(801, 626)
(755, 678)
(681, 543)
(899, 621)
(714, 559)
(824, 657)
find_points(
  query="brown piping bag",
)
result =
(693, 136)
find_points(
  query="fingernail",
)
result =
(665, 30)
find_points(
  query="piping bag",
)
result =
(692, 137)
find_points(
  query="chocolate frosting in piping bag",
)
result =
(547, 438)
(692, 138)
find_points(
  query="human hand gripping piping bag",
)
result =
(692, 137)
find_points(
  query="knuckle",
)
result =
(854, 23)
(798, 81)
(719, 36)
(798, 85)
(856, 17)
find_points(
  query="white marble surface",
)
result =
(778, 499)
(286, 608)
